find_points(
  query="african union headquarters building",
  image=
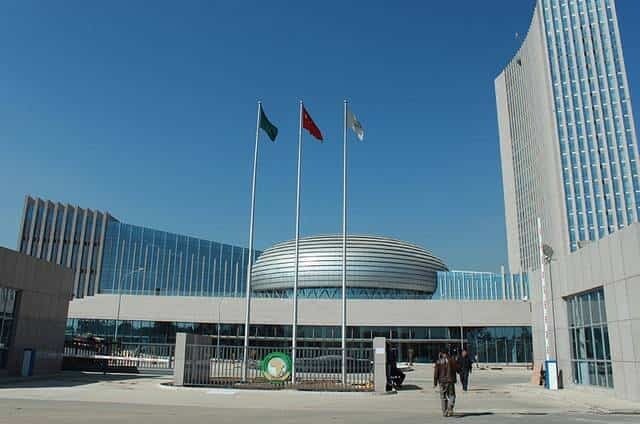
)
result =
(143, 285)
(569, 157)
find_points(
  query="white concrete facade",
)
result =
(614, 264)
(529, 151)
(52, 231)
(420, 313)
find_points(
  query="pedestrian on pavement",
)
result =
(477, 361)
(395, 377)
(465, 366)
(444, 374)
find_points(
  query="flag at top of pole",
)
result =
(267, 126)
(355, 125)
(309, 125)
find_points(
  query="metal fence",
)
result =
(138, 356)
(315, 368)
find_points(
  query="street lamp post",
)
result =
(548, 257)
(218, 337)
(122, 277)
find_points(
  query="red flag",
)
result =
(309, 125)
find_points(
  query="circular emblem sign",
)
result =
(276, 367)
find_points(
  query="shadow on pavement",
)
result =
(409, 387)
(471, 414)
(69, 379)
(524, 414)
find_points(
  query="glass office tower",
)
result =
(568, 142)
(109, 256)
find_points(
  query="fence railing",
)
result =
(141, 356)
(271, 368)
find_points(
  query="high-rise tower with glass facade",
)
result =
(568, 142)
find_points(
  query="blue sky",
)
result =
(147, 110)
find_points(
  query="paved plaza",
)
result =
(496, 396)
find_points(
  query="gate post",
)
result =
(380, 364)
(180, 352)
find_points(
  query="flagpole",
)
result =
(295, 278)
(344, 248)
(247, 312)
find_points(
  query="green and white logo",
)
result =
(276, 367)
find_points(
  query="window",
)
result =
(589, 336)
(7, 313)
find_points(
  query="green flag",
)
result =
(267, 126)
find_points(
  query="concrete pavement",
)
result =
(67, 412)
(495, 396)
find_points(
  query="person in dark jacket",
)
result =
(466, 364)
(444, 374)
(395, 377)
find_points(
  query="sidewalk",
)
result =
(514, 384)
(600, 401)
(491, 392)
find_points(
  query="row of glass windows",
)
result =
(452, 285)
(136, 260)
(336, 293)
(589, 334)
(492, 344)
(466, 285)
(502, 351)
(143, 261)
(7, 313)
(591, 102)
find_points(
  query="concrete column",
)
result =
(380, 364)
(180, 353)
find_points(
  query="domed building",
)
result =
(377, 268)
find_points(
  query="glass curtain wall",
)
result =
(508, 345)
(142, 261)
(590, 352)
(473, 285)
(7, 314)
(418, 344)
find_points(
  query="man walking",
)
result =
(465, 369)
(444, 374)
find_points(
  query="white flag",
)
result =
(355, 125)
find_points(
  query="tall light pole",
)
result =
(548, 257)
(122, 277)
(551, 365)
(543, 286)
(218, 338)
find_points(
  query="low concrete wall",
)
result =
(44, 292)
